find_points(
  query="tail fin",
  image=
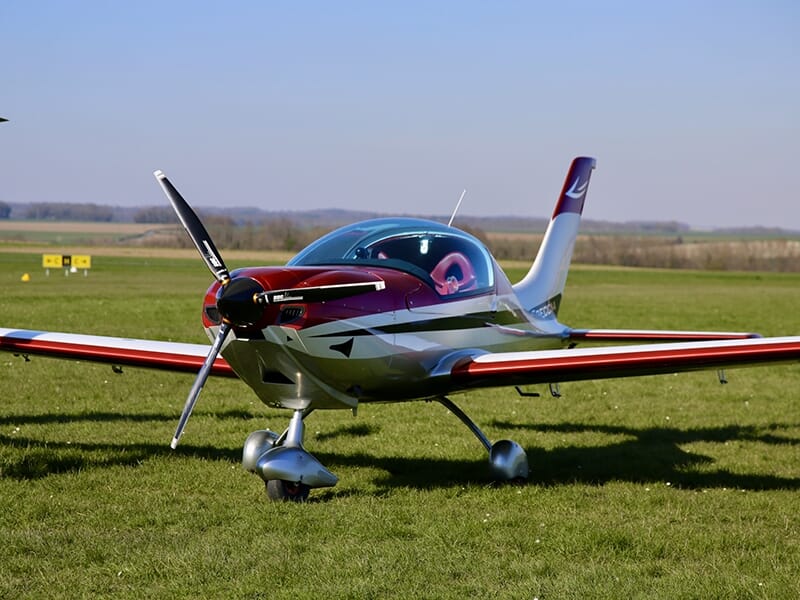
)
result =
(540, 290)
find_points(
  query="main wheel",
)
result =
(277, 489)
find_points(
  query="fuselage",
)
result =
(445, 299)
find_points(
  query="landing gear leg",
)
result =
(507, 459)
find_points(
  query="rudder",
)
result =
(540, 290)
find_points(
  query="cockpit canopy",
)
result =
(452, 261)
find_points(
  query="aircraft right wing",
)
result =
(554, 366)
(171, 356)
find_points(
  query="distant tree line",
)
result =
(670, 252)
(278, 233)
(268, 234)
(57, 211)
(777, 255)
(155, 214)
(5, 210)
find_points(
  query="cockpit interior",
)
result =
(451, 261)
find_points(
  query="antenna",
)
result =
(458, 205)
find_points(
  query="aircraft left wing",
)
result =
(171, 356)
(554, 366)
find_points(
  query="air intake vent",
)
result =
(290, 313)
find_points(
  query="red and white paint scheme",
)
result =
(393, 310)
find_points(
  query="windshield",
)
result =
(447, 258)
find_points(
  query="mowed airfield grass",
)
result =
(659, 487)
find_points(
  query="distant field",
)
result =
(662, 487)
(685, 251)
(142, 252)
(66, 232)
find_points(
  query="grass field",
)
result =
(661, 487)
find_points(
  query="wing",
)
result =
(171, 356)
(552, 366)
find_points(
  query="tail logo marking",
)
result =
(576, 191)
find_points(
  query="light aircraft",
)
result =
(394, 310)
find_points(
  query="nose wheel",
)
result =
(278, 489)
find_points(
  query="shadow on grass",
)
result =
(357, 430)
(648, 455)
(34, 458)
(651, 455)
(112, 417)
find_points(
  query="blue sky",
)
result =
(691, 108)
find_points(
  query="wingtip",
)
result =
(159, 174)
(174, 443)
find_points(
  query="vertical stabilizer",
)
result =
(540, 290)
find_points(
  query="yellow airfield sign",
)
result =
(52, 261)
(56, 261)
(82, 261)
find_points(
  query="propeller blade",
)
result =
(199, 382)
(321, 293)
(195, 228)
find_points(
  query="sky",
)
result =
(692, 108)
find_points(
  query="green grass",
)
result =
(661, 487)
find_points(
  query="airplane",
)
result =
(396, 310)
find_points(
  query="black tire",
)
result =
(277, 489)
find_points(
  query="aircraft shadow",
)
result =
(649, 455)
(110, 417)
(38, 457)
